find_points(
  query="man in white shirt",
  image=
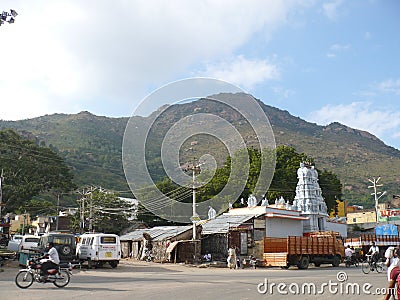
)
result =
(374, 251)
(52, 259)
(348, 252)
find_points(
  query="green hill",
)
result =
(92, 145)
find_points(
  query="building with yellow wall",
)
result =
(19, 222)
(341, 210)
(361, 217)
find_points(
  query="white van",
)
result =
(98, 249)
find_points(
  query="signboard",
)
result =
(386, 215)
(195, 219)
(387, 229)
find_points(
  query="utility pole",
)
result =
(83, 214)
(1, 191)
(58, 210)
(195, 168)
(91, 209)
(374, 185)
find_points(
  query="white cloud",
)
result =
(339, 47)
(390, 86)
(68, 55)
(242, 71)
(330, 9)
(335, 49)
(367, 35)
(360, 115)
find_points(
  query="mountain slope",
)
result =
(92, 144)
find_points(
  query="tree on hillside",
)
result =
(284, 181)
(152, 200)
(29, 169)
(285, 177)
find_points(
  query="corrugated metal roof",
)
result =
(222, 223)
(158, 233)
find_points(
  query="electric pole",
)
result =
(374, 185)
(1, 191)
(195, 168)
(90, 210)
(58, 210)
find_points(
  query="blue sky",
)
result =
(323, 61)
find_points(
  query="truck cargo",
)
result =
(300, 251)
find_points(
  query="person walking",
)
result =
(238, 262)
(231, 258)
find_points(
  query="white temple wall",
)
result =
(280, 227)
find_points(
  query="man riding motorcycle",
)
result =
(50, 260)
(350, 255)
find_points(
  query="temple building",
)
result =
(309, 199)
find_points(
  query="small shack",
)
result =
(226, 231)
(168, 243)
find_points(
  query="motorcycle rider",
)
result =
(349, 254)
(50, 260)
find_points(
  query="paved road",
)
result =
(139, 280)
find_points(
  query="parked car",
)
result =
(29, 242)
(13, 244)
(63, 242)
(98, 249)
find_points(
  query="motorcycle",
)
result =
(351, 261)
(148, 256)
(253, 261)
(60, 277)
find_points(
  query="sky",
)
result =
(323, 61)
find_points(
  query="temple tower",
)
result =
(309, 199)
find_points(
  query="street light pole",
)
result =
(8, 17)
(374, 185)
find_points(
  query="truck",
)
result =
(13, 244)
(317, 248)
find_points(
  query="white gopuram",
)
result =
(309, 199)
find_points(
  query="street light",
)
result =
(8, 17)
(375, 194)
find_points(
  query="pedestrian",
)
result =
(392, 259)
(231, 258)
(394, 274)
(238, 261)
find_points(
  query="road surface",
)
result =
(140, 280)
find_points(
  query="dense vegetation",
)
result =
(29, 170)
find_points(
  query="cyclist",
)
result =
(374, 251)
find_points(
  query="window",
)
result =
(31, 240)
(108, 240)
(61, 240)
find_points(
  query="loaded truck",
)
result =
(300, 251)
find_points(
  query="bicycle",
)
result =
(369, 265)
